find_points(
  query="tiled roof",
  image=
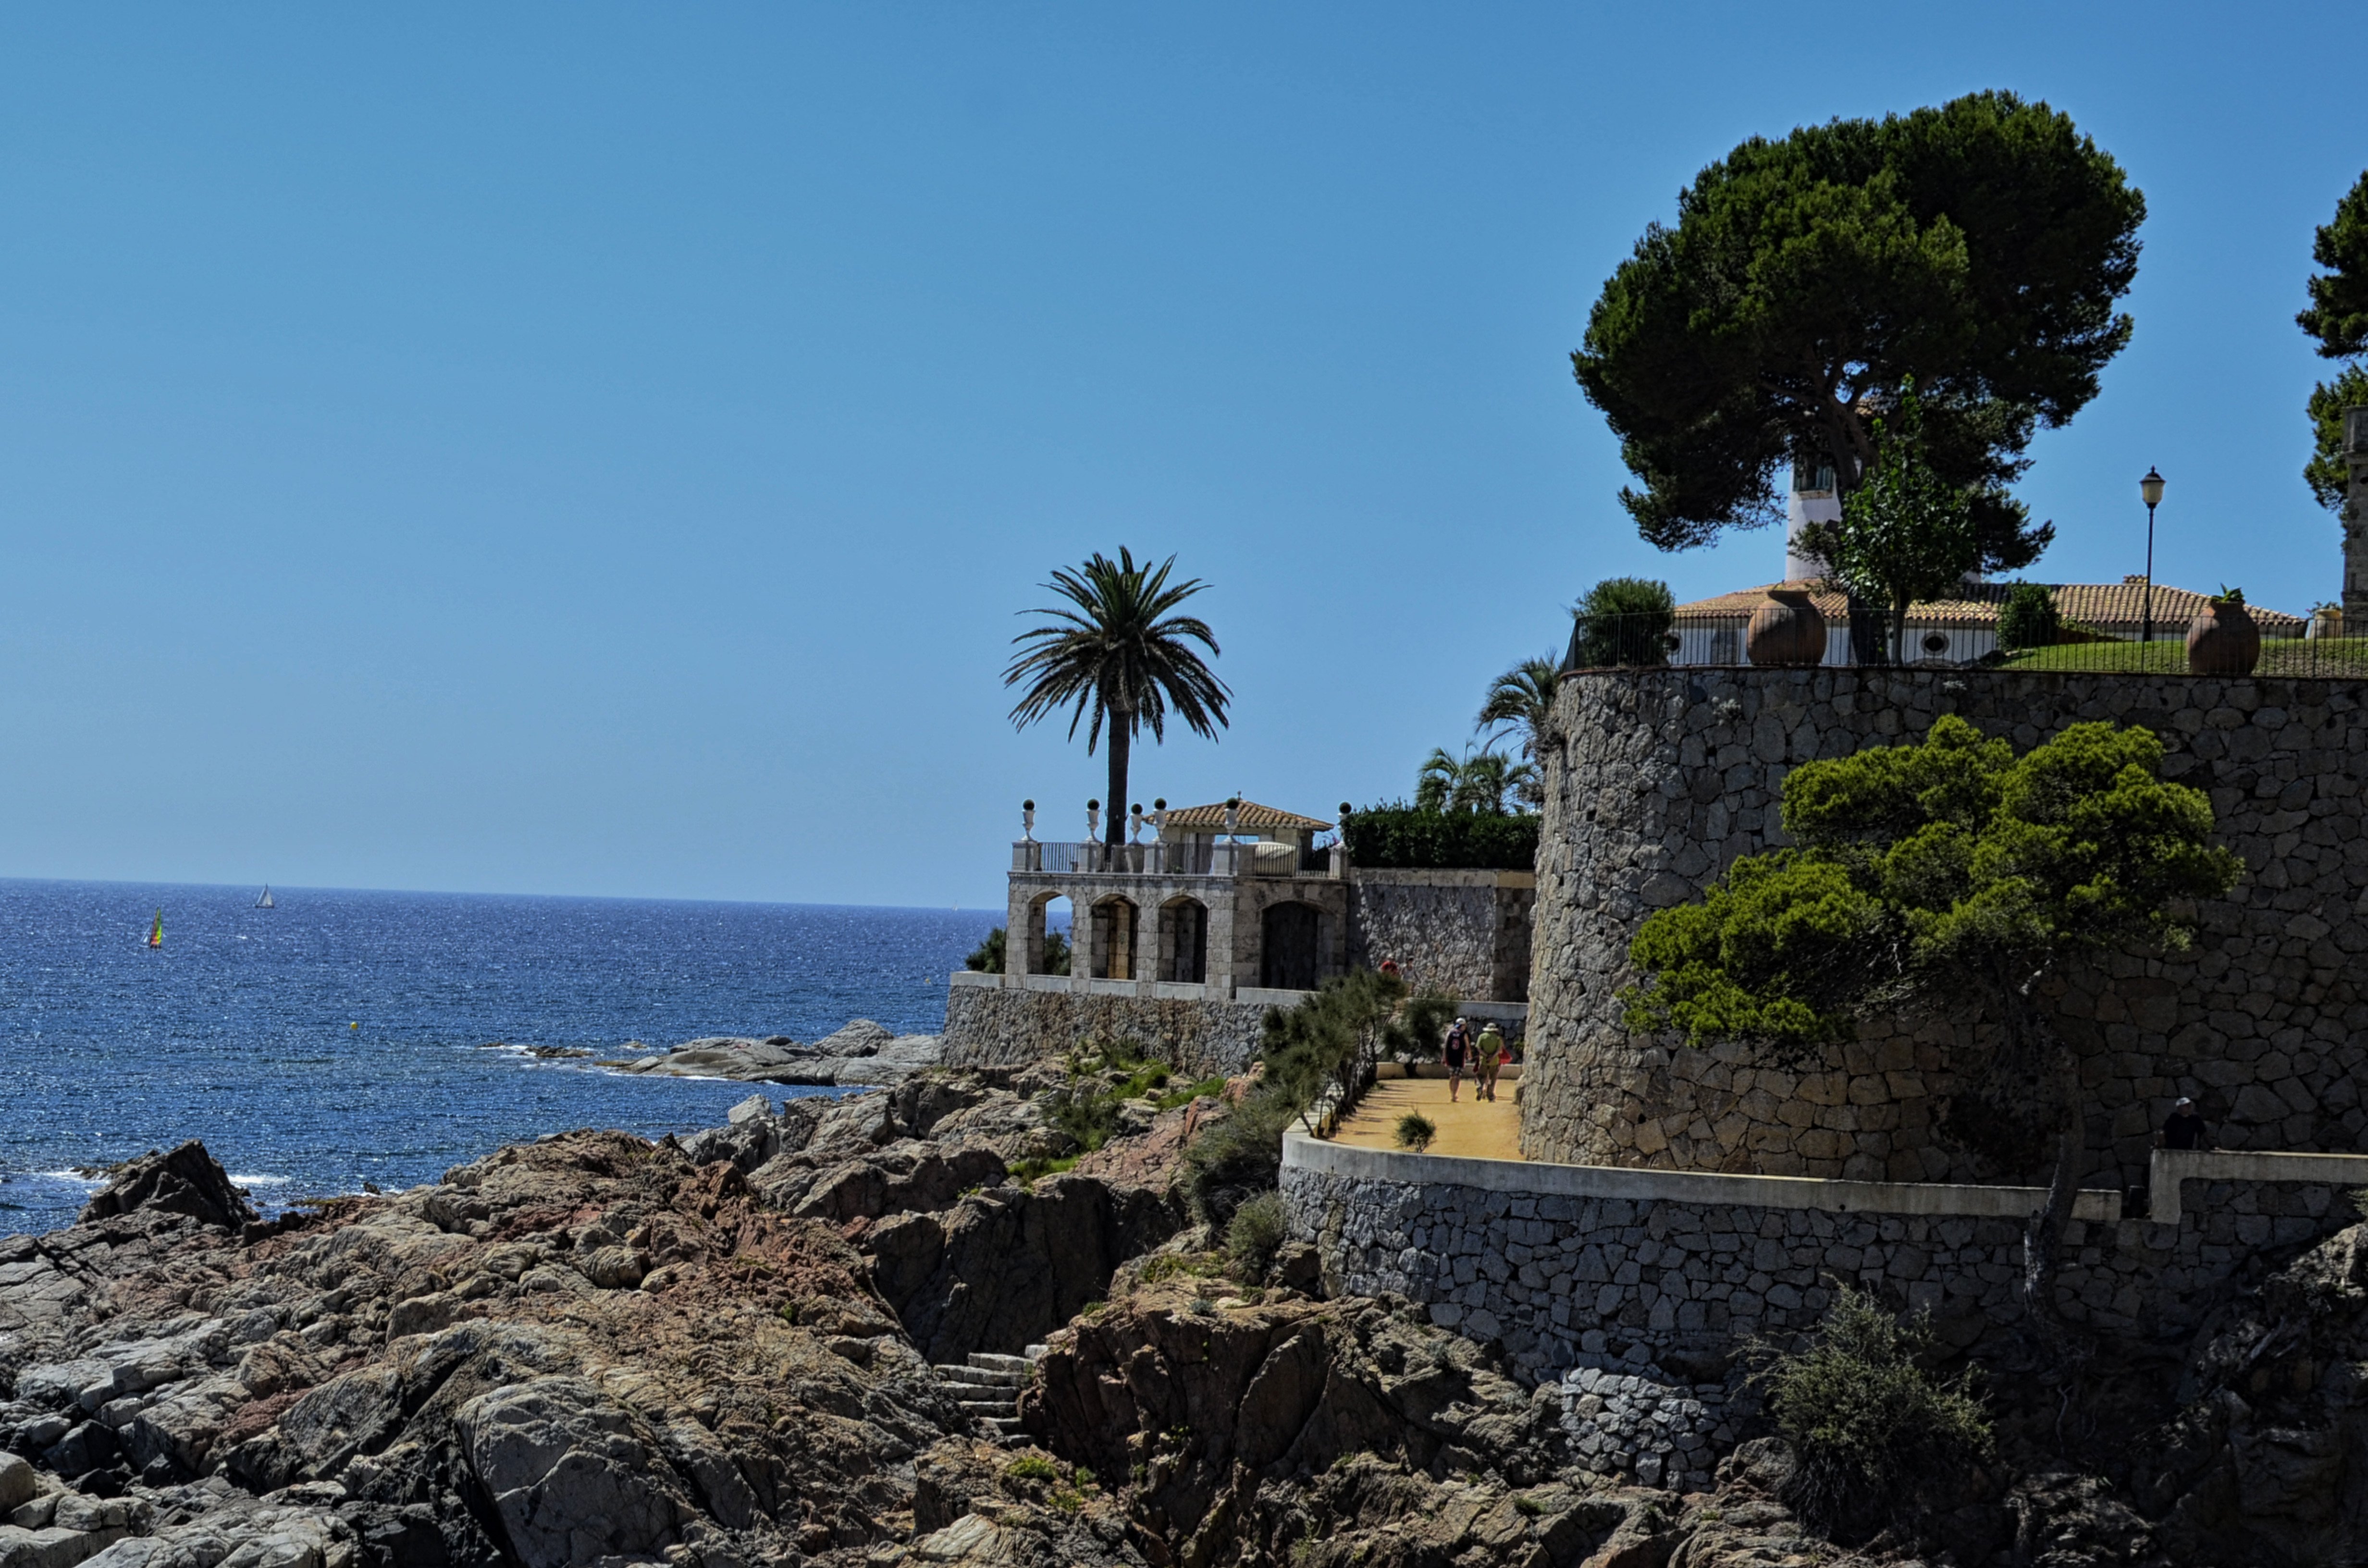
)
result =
(2119, 606)
(1254, 818)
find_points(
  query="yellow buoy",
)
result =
(353, 1025)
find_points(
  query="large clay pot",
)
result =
(2223, 641)
(1787, 629)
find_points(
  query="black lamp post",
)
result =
(2150, 488)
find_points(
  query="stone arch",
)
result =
(1290, 946)
(1113, 938)
(1183, 950)
(1024, 952)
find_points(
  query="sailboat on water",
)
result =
(265, 901)
(156, 931)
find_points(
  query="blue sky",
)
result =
(601, 449)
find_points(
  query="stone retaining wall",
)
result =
(1568, 1264)
(1465, 932)
(1655, 781)
(986, 1025)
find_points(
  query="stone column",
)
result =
(2355, 524)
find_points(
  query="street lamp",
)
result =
(2150, 489)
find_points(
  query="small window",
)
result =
(1935, 643)
(1812, 476)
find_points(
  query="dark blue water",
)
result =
(341, 1037)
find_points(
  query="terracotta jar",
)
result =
(1787, 629)
(2222, 640)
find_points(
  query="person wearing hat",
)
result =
(1491, 1056)
(2184, 1128)
(1455, 1052)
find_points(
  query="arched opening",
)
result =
(1044, 943)
(1288, 947)
(1113, 939)
(1184, 941)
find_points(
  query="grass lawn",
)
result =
(2280, 657)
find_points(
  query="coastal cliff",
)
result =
(843, 1332)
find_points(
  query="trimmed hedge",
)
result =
(1399, 837)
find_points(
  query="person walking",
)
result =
(1455, 1053)
(1491, 1056)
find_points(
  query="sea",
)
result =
(347, 1036)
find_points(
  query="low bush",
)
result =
(1402, 837)
(989, 956)
(1252, 1235)
(1238, 1158)
(1416, 1130)
(2028, 619)
(1622, 621)
(1872, 1432)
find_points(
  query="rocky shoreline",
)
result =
(841, 1331)
(862, 1055)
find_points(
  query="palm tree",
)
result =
(1476, 783)
(1110, 651)
(1520, 701)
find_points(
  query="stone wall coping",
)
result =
(1709, 1188)
(1170, 991)
(2169, 1167)
(1435, 877)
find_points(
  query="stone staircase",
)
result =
(987, 1386)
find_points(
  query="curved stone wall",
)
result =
(1655, 781)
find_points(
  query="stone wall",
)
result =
(986, 1025)
(1560, 1276)
(1655, 781)
(1466, 933)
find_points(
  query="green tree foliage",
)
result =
(1622, 620)
(1330, 1041)
(2337, 314)
(1939, 874)
(1873, 1435)
(1403, 838)
(1520, 702)
(2327, 474)
(2338, 318)
(1905, 533)
(1118, 653)
(1485, 783)
(988, 957)
(1979, 247)
(2028, 619)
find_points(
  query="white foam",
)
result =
(236, 1180)
(75, 1176)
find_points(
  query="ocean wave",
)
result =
(237, 1180)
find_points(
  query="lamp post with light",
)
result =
(2150, 489)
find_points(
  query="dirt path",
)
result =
(1473, 1128)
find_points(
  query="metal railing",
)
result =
(2280, 646)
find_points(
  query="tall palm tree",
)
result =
(1117, 651)
(1520, 701)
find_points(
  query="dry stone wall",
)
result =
(1656, 781)
(988, 1026)
(1562, 1280)
(1465, 932)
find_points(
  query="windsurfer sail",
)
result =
(156, 931)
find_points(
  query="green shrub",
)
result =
(1416, 1130)
(1238, 1158)
(1257, 1229)
(2029, 618)
(1872, 1431)
(1212, 1087)
(989, 956)
(1622, 621)
(1401, 837)
(1031, 1467)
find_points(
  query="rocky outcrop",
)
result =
(1006, 1266)
(186, 1181)
(862, 1054)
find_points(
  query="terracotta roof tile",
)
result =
(1254, 818)
(2118, 607)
